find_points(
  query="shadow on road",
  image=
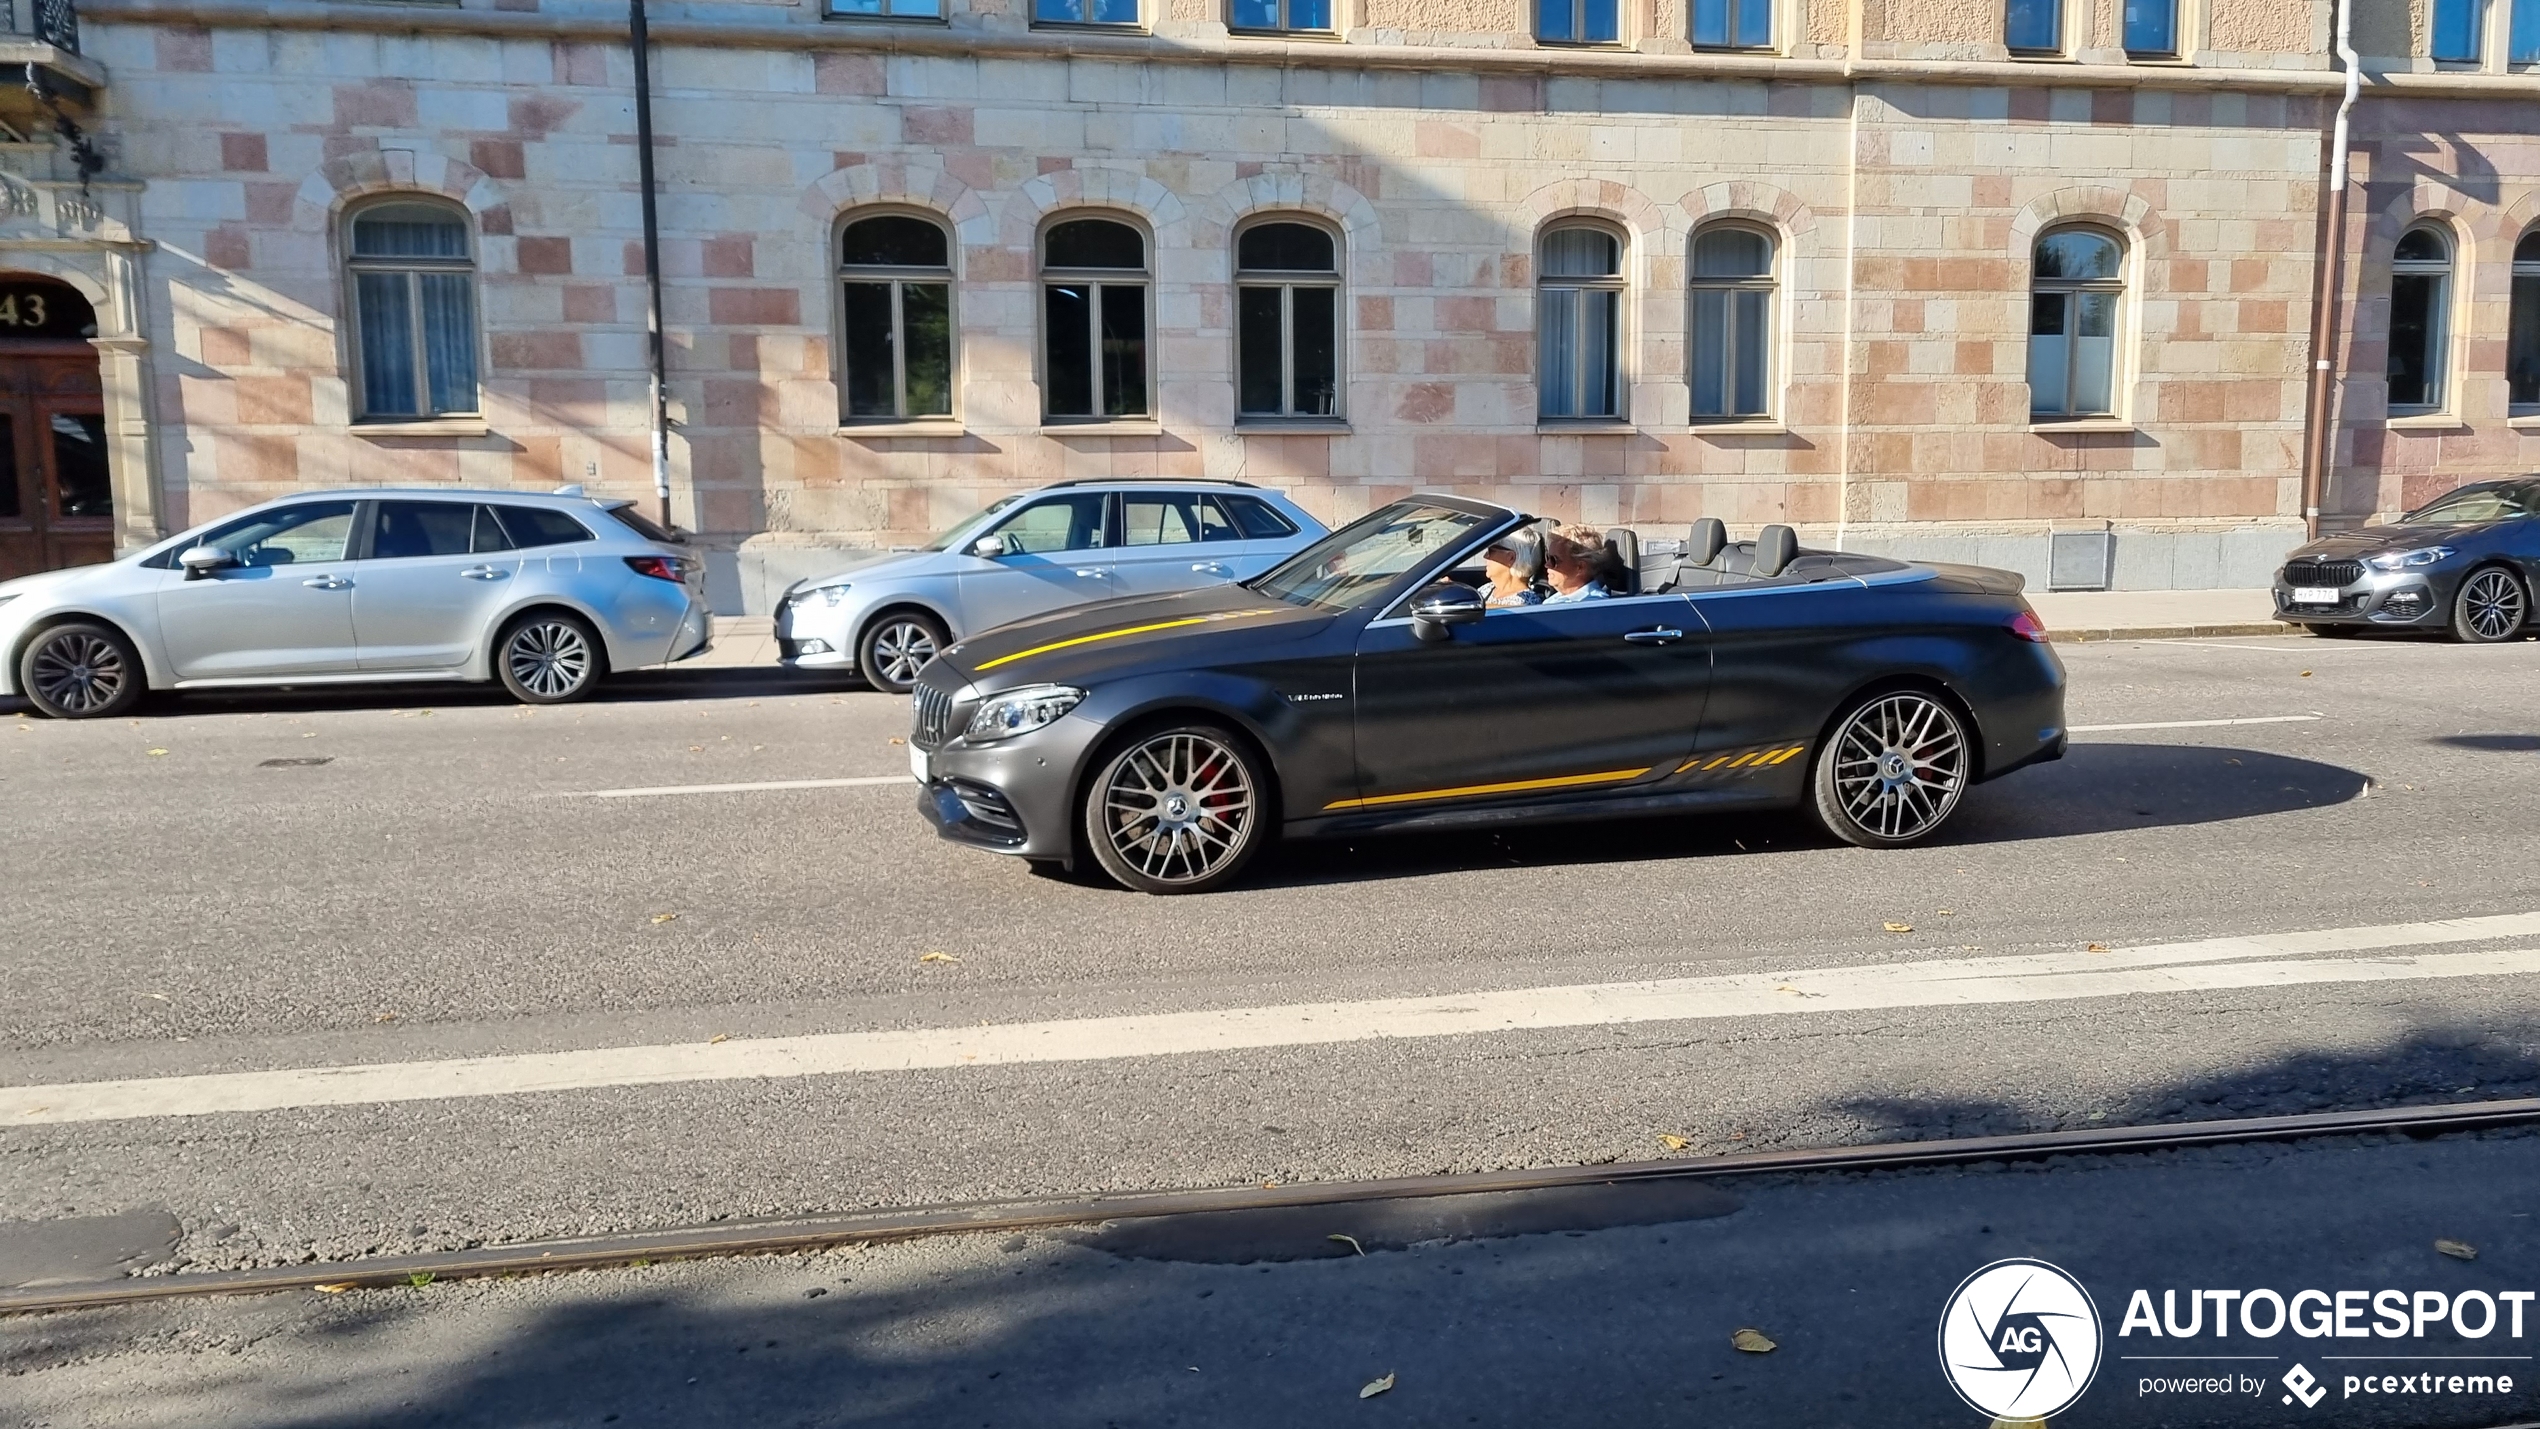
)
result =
(718, 682)
(2491, 743)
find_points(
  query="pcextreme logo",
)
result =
(2020, 1339)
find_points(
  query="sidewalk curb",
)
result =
(2088, 635)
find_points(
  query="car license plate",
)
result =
(917, 763)
(2315, 595)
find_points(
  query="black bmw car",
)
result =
(1363, 684)
(2464, 562)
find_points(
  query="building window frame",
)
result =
(1090, 15)
(2430, 286)
(894, 12)
(2459, 27)
(2161, 34)
(369, 280)
(1098, 282)
(1582, 19)
(1294, 406)
(898, 279)
(1281, 17)
(2023, 37)
(2071, 296)
(2522, 341)
(1586, 294)
(1737, 26)
(1747, 329)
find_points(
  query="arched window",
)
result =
(1579, 319)
(2522, 348)
(412, 272)
(895, 347)
(2420, 295)
(2075, 286)
(1732, 322)
(1094, 319)
(1287, 321)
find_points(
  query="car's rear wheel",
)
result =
(896, 647)
(1893, 771)
(81, 670)
(2491, 607)
(1177, 810)
(549, 658)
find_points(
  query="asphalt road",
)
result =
(445, 886)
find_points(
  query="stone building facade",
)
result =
(1899, 162)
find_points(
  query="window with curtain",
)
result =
(1732, 323)
(2456, 26)
(2033, 26)
(2420, 297)
(2522, 344)
(1094, 320)
(895, 348)
(1579, 319)
(413, 277)
(1733, 24)
(1287, 322)
(1578, 22)
(2151, 28)
(1282, 15)
(2075, 287)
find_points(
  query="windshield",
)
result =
(2473, 504)
(951, 538)
(1355, 565)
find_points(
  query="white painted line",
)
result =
(2269, 960)
(2195, 723)
(869, 782)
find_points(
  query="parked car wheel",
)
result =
(1893, 771)
(549, 658)
(2491, 607)
(1178, 810)
(81, 670)
(896, 647)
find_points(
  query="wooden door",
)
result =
(56, 502)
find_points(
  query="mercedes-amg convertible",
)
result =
(1366, 683)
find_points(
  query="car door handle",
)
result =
(1091, 573)
(1659, 635)
(1215, 568)
(483, 573)
(327, 583)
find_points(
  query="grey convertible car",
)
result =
(2463, 562)
(1363, 684)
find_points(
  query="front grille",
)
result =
(932, 710)
(2314, 572)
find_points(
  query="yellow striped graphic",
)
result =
(1752, 760)
(1514, 786)
(985, 665)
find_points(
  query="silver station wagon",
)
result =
(1063, 545)
(546, 593)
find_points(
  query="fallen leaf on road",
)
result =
(335, 1287)
(2457, 1249)
(696, 749)
(1348, 1240)
(384, 1017)
(1754, 1342)
(895, 739)
(719, 1037)
(1375, 1387)
(1947, 912)
(156, 752)
(938, 958)
(1672, 1141)
(2306, 674)
(665, 917)
(1900, 927)
(2096, 948)
(161, 996)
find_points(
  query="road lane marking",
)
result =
(2195, 723)
(2212, 964)
(868, 782)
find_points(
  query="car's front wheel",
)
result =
(2491, 607)
(896, 647)
(1177, 810)
(1893, 771)
(549, 658)
(81, 670)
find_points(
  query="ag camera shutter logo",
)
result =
(2020, 1339)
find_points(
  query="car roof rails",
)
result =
(1134, 480)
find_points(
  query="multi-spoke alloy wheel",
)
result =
(896, 648)
(1893, 771)
(1176, 811)
(2491, 607)
(549, 659)
(80, 671)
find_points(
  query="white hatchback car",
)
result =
(546, 593)
(1062, 545)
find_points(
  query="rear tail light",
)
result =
(2028, 627)
(673, 569)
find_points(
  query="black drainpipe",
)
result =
(641, 39)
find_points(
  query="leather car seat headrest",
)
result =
(1704, 540)
(1622, 560)
(1774, 546)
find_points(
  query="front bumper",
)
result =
(1014, 796)
(2397, 599)
(815, 636)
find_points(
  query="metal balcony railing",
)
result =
(51, 22)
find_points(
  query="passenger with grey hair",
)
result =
(1575, 564)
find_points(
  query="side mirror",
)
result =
(1436, 611)
(988, 548)
(203, 560)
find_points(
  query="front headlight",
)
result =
(832, 596)
(1018, 711)
(2403, 560)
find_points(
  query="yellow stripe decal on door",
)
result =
(1514, 786)
(986, 665)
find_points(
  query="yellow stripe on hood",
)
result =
(986, 665)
